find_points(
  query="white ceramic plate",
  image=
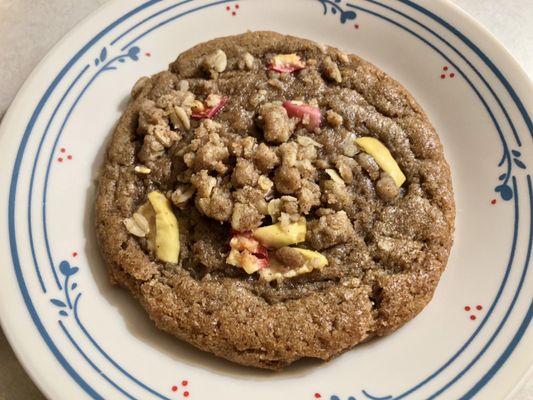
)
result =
(80, 338)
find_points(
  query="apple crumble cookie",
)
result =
(268, 198)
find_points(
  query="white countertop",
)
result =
(29, 28)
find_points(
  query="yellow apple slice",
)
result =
(383, 158)
(276, 270)
(167, 238)
(277, 235)
(313, 259)
(247, 253)
(286, 63)
(246, 260)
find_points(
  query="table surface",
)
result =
(46, 21)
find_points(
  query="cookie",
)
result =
(269, 198)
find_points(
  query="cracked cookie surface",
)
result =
(261, 128)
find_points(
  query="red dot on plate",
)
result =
(147, 54)
(185, 394)
(478, 307)
(174, 388)
(442, 76)
(467, 308)
(452, 75)
(493, 201)
(318, 395)
(184, 383)
(62, 150)
(356, 26)
(237, 6)
(74, 254)
(233, 13)
(472, 317)
(228, 8)
(69, 157)
(445, 68)
(60, 159)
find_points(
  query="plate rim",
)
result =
(24, 91)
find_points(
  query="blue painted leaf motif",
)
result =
(63, 313)
(335, 8)
(66, 269)
(133, 53)
(516, 153)
(58, 303)
(347, 15)
(505, 192)
(121, 60)
(96, 62)
(502, 177)
(366, 395)
(74, 286)
(519, 163)
(103, 54)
